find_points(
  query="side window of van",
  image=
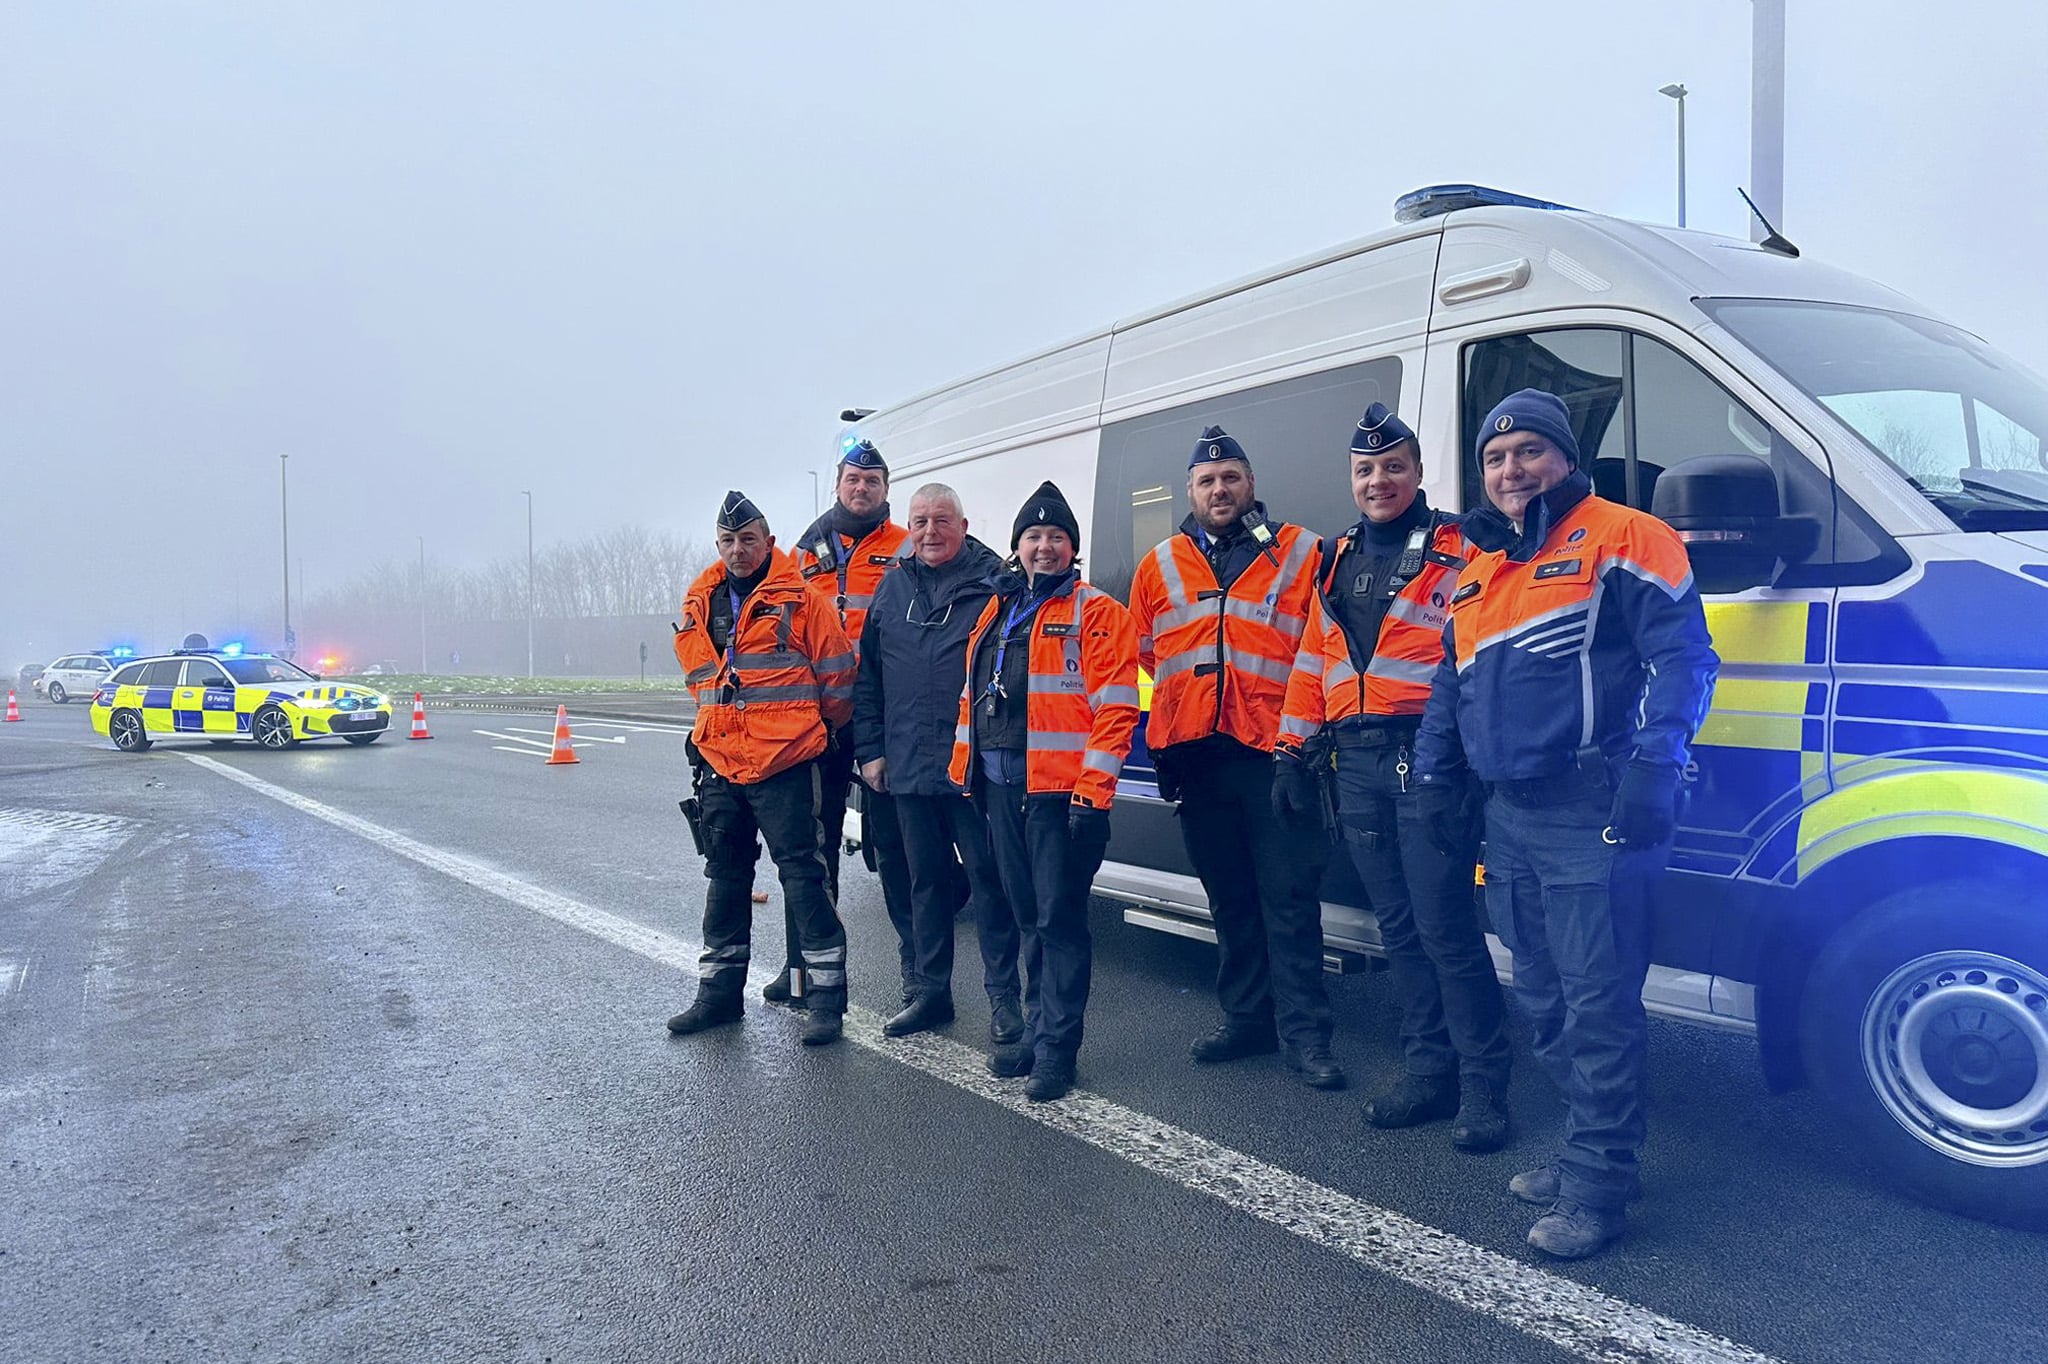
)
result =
(1297, 433)
(1639, 408)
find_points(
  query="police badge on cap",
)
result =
(1215, 444)
(738, 511)
(1379, 430)
(864, 455)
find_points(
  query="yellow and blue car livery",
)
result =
(265, 700)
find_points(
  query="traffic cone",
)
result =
(13, 710)
(419, 719)
(563, 752)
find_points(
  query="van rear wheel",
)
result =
(125, 728)
(1927, 1031)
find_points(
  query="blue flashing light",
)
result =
(847, 442)
(233, 650)
(1433, 201)
(121, 651)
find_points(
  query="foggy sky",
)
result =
(628, 255)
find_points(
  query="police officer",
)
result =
(772, 674)
(1374, 640)
(1577, 668)
(913, 665)
(1044, 725)
(842, 556)
(1220, 608)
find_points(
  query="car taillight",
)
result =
(99, 694)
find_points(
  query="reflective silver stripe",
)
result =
(835, 663)
(1066, 684)
(1169, 573)
(783, 659)
(859, 602)
(707, 695)
(1144, 644)
(1097, 760)
(1401, 670)
(838, 693)
(1297, 559)
(1340, 672)
(1411, 612)
(963, 734)
(1291, 728)
(1192, 614)
(1037, 741)
(703, 674)
(1308, 663)
(825, 956)
(802, 691)
(1114, 695)
(1187, 662)
(1269, 668)
(708, 969)
(825, 980)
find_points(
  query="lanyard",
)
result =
(732, 638)
(1024, 609)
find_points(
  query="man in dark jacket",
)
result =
(913, 666)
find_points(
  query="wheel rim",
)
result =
(127, 729)
(1956, 1046)
(56, 693)
(273, 729)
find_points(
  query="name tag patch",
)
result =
(1465, 593)
(1058, 631)
(1559, 569)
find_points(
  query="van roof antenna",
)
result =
(1772, 240)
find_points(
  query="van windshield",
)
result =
(1962, 421)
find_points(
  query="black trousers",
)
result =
(783, 811)
(1045, 877)
(1453, 1018)
(881, 831)
(1263, 878)
(945, 838)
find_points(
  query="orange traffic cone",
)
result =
(13, 711)
(419, 719)
(563, 752)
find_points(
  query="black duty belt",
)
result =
(1374, 733)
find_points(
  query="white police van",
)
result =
(1858, 876)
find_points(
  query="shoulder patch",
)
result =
(1466, 593)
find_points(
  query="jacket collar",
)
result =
(1491, 530)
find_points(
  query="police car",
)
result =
(224, 697)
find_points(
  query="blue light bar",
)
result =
(231, 650)
(1433, 201)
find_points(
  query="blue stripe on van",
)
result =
(1959, 615)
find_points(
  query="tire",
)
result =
(359, 740)
(56, 694)
(1925, 1027)
(272, 729)
(125, 728)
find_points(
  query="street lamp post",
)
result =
(528, 493)
(1678, 92)
(284, 517)
(1767, 114)
(423, 604)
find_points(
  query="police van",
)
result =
(1857, 879)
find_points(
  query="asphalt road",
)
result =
(357, 1054)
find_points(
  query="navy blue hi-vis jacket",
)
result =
(1587, 628)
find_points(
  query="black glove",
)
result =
(1295, 790)
(1645, 806)
(1088, 826)
(1446, 805)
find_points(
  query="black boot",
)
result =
(710, 1011)
(1008, 1063)
(1316, 1067)
(1481, 1123)
(1051, 1078)
(1005, 1020)
(776, 991)
(822, 1027)
(1233, 1041)
(922, 1014)
(1417, 1099)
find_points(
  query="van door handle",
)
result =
(1494, 279)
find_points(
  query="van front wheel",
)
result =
(1927, 1030)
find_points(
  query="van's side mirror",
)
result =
(1725, 508)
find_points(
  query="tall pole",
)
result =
(1767, 114)
(529, 581)
(284, 517)
(423, 604)
(1678, 92)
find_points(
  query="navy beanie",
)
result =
(1531, 410)
(1046, 507)
(1379, 431)
(1216, 443)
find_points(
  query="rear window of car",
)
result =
(130, 676)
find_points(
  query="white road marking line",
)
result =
(547, 743)
(634, 726)
(580, 738)
(1547, 1306)
(523, 752)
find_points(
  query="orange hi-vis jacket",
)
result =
(1220, 660)
(764, 704)
(844, 574)
(1083, 709)
(1338, 678)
